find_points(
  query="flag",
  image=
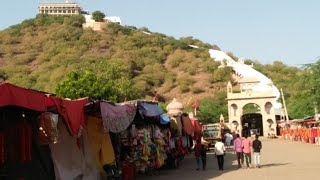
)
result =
(155, 98)
(189, 101)
(196, 103)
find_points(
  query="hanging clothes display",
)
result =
(91, 169)
(149, 109)
(67, 158)
(100, 142)
(24, 135)
(187, 125)
(48, 131)
(176, 124)
(117, 118)
(19, 142)
(72, 112)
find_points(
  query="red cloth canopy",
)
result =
(11, 95)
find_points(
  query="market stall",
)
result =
(22, 156)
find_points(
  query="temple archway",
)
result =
(253, 111)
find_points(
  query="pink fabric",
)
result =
(18, 96)
(73, 113)
(237, 145)
(117, 118)
(246, 144)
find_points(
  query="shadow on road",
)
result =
(187, 170)
(273, 164)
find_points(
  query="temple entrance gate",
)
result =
(263, 121)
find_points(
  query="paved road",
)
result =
(281, 160)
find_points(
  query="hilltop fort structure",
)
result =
(64, 8)
(68, 8)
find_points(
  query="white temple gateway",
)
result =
(256, 89)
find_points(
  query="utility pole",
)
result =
(316, 112)
(285, 107)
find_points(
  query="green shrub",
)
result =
(197, 90)
(184, 88)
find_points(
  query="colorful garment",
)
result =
(72, 112)
(246, 144)
(150, 109)
(100, 142)
(237, 145)
(67, 158)
(117, 118)
(187, 125)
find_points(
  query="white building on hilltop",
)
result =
(114, 19)
(98, 26)
(63, 8)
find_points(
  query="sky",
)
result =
(266, 31)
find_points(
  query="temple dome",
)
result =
(174, 107)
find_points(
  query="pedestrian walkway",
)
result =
(281, 160)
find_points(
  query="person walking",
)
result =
(220, 151)
(197, 153)
(237, 147)
(246, 145)
(257, 146)
(204, 157)
(228, 138)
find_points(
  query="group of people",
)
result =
(243, 148)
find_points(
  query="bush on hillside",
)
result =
(222, 74)
(197, 90)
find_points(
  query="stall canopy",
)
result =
(11, 95)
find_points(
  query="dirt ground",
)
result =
(280, 159)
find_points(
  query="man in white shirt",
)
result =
(220, 150)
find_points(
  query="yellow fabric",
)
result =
(173, 123)
(100, 142)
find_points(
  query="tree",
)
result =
(75, 20)
(307, 92)
(107, 80)
(312, 83)
(251, 108)
(3, 76)
(211, 108)
(98, 16)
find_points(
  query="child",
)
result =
(203, 157)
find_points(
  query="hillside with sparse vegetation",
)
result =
(55, 54)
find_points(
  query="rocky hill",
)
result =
(39, 52)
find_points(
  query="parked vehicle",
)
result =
(211, 132)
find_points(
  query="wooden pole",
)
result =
(316, 112)
(285, 107)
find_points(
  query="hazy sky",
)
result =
(269, 30)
